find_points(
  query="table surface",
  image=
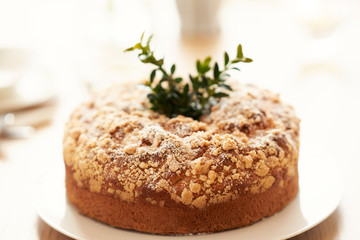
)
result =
(311, 61)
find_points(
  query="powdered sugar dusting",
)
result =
(116, 146)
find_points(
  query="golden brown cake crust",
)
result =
(132, 168)
(143, 216)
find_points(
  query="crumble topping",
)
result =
(116, 146)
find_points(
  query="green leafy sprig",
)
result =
(171, 96)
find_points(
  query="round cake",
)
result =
(133, 168)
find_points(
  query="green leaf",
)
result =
(160, 62)
(152, 75)
(142, 36)
(220, 95)
(129, 49)
(245, 60)
(227, 87)
(205, 69)
(205, 66)
(186, 89)
(207, 61)
(149, 40)
(216, 71)
(136, 46)
(195, 83)
(198, 66)
(239, 52)
(226, 58)
(178, 80)
(173, 68)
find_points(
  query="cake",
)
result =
(132, 168)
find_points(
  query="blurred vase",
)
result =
(199, 17)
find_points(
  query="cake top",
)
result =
(117, 146)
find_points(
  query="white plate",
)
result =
(34, 88)
(321, 190)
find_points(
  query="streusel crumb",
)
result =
(117, 147)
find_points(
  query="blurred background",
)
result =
(52, 53)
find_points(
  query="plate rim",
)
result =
(66, 232)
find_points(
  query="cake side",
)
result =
(174, 218)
